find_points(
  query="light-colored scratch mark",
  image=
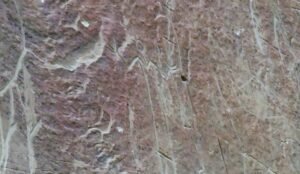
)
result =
(256, 23)
(166, 103)
(219, 90)
(244, 166)
(89, 131)
(170, 46)
(189, 58)
(108, 129)
(27, 105)
(11, 83)
(21, 57)
(19, 93)
(138, 60)
(276, 37)
(31, 154)
(187, 114)
(151, 65)
(114, 48)
(12, 107)
(172, 70)
(245, 155)
(29, 102)
(165, 100)
(128, 40)
(100, 130)
(74, 25)
(133, 137)
(159, 16)
(79, 164)
(133, 63)
(1, 137)
(3, 143)
(100, 118)
(6, 148)
(178, 65)
(11, 130)
(32, 125)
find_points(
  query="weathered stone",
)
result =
(149, 87)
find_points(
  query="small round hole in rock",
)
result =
(183, 78)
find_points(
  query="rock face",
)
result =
(149, 87)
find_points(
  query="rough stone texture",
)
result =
(149, 87)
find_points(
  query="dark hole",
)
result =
(183, 78)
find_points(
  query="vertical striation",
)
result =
(149, 87)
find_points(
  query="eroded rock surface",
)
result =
(149, 87)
